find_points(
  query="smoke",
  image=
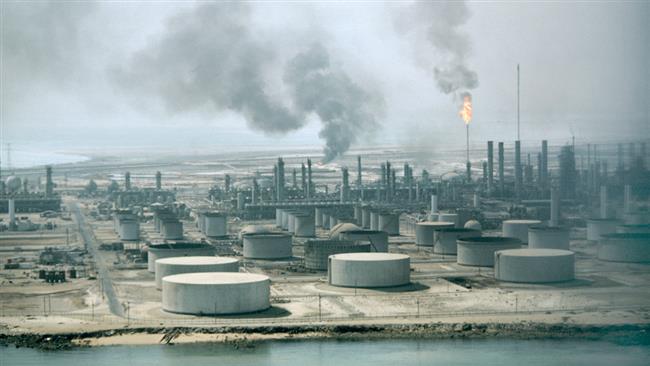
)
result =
(212, 56)
(209, 57)
(442, 21)
(345, 109)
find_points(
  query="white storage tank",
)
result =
(172, 229)
(518, 229)
(318, 251)
(479, 251)
(267, 246)
(358, 215)
(177, 265)
(168, 250)
(318, 217)
(304, 225)
(642, 228)
(365, 217)
(129, 230)
(624, 247)
(257, 229)
(374, 219)
(424, 232)
(336, 231)
(445, 239)
(369, 270)
(449, 217)
(215, 224)
(598, 227)
(215, 293)
(534, 265)
(278, 217)
(377, 239)
(548, 237)
(389, 222)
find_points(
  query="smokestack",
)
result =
(345, 186)
(240, 200)
(490, 167)
(255, 191)
(501, 170)
(603, 202)
(295, 178)
(469, 171)
(227, 182)
(12, 213)
(485, 173)
(539, 171)
(158, 180)
(25, 186)
(310, 186)
(280, 187)
(555, 207)
(477, 200)
(49, 184)
(275, 183)
(434, 203)
(627, 198)
(127, 181)
(392, 184)
(303, 179)
(359, 172)
(518, 175)
(544, 180)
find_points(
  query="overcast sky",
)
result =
(117, 73)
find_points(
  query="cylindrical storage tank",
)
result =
(365, 217)
(215, 293)
(518, 229)
(292, 222)
(256, 229)
(445, 239)
(129, 230)
(473, 224)
(325, 218)
(317, 251)
(479, 251)
(548, 237)
(285, 219)
(318, 217)
(377, 239)
(177, 265)
(159, 251)
(636, 218)
(374, 220)
(389, 222)
(336, 231)
(369, 270)
(643, 228)
(267, 246)
(215, 224)
(598, 227)
(278, 217)
(534, 265)
(358, 215)
(172, 230)
(304, 225)
(424, 232)
(624, 247)
(450, 217)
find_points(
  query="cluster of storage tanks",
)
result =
(126, 225)
(168, 225)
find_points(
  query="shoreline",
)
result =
(242, 336)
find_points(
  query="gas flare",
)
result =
(466, 110)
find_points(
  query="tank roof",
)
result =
(370, 256)
(215, 278)
(172, 246)
(528, 222)
(197, 260)
(535, 252)
(637, 236)
(436, 223)
(489, 240)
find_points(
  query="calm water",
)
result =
(341, 353)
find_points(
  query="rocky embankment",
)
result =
(523, 330)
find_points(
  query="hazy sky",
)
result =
(184, 74)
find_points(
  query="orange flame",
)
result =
(466, 111)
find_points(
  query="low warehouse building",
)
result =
(317, 251)
(548, 237)
(177, 265)
(215, 293)
(267, 246)
(369, 270)
(518, 229)
(159, 251)
(625, 247)
(534, 265)
(446, 239)
(479, 251)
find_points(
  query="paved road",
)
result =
(102, 272)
